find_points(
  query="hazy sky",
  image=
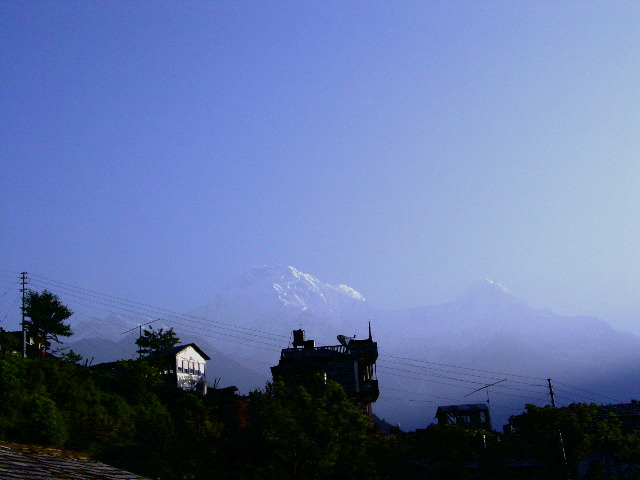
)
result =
(154, 150)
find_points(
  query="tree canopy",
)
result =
(154, 342)
(47, 317)
(563, 439)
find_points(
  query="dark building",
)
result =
(234, 411)
(351, 364)
(472, 415)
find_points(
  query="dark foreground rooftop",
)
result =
(26, 462)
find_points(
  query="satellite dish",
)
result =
(344, 340)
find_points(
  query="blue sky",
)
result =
(154, 150)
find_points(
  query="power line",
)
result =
(587, 391)
(235, 334)
(438, 397)
(459, 373)
(465, 385)
(483, 382)
(429, 375)
(123, 303)
(7, 291)
(502, 374)
(15, 300)
(168, 318)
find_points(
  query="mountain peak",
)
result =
(486, 285)
(292, 287)
(486, 296)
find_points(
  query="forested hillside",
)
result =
(128, 417)
(133, 421)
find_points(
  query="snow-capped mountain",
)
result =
(496, 336)
(279, 299)
(429, 356)
(246, 324)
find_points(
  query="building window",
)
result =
(463, 419)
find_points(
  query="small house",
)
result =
(185, 365)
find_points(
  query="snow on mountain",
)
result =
(486, 329)
(485, 298)
(280, 299)
(246, 324)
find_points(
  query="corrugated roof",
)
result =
(464, 407)
(38, 463)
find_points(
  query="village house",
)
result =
(351, 364)
(185, 366)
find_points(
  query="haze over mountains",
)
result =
(429, 356)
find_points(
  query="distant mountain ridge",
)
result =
(281, 299)
(486, 329)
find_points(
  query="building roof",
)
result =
(177, 349)
(463, 408)
(36, 463)
(171, 352)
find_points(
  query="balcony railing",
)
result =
(315, 351)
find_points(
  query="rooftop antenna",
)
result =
(370, 337)
(487, 387)
(140, 325)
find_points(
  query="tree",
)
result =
(581, 433)
(8, 342)
(154, 342)
(46, 319)
(311, 432)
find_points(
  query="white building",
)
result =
(187, 366)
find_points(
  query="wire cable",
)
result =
(238, 334)
(587, 391)
(132, 304)
(501, 374)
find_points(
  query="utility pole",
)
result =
(23, 308)
(553, 398)
(559, 433)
